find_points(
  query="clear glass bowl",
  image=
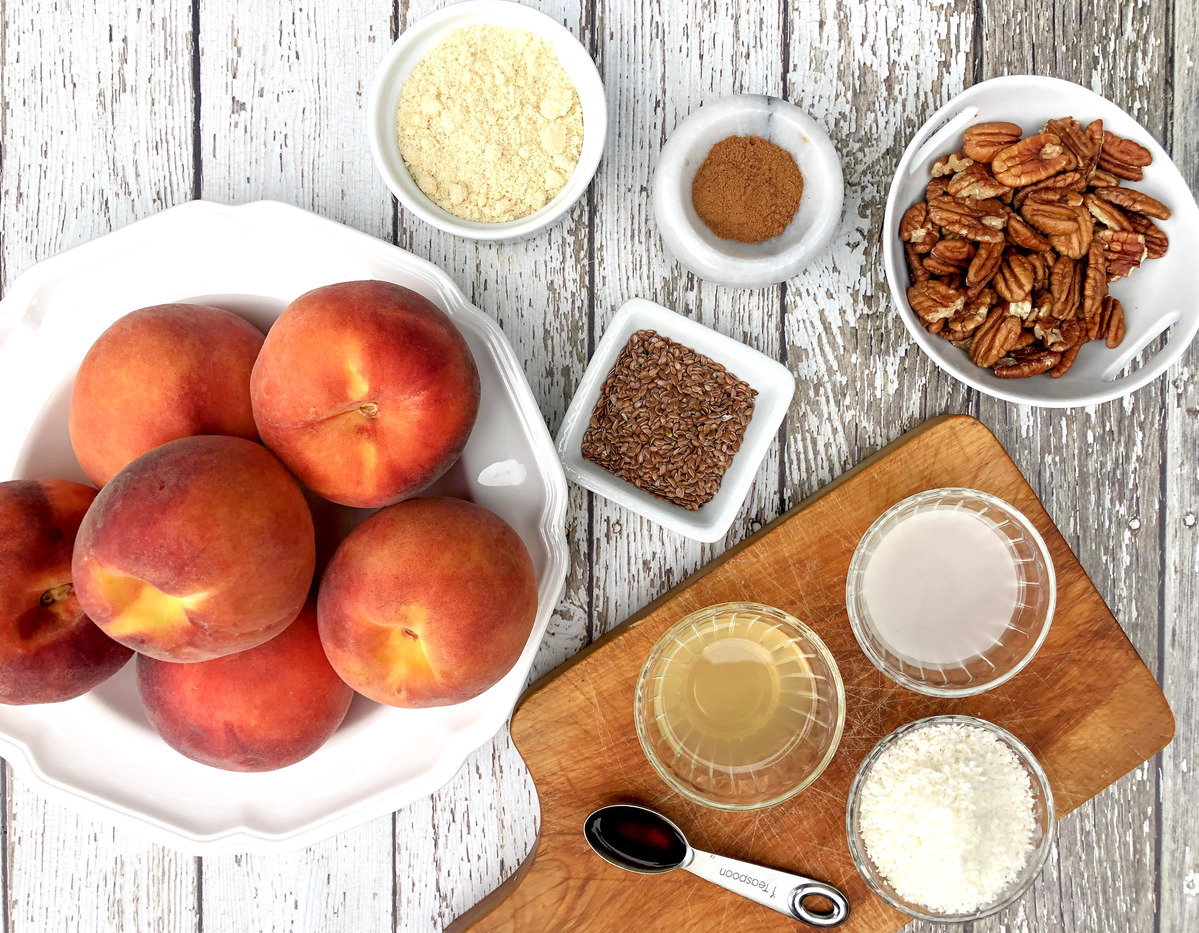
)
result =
(1042, 811)
(778, 706)
(1026, 630)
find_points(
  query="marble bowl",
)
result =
(728, 262)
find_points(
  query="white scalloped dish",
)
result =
(98, 753)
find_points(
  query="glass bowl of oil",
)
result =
(739, 706)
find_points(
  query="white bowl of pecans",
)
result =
(1041, 246)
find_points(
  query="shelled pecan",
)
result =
(1012, 251)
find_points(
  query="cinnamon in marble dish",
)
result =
(747, 189)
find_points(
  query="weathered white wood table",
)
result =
(115, 109)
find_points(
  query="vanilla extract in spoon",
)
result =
(641, 840)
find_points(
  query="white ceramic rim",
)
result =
(947, 123)
(857, 848)
(673, 213)
(385, 91)
(459, 745)
(859, 626)
(711, 522)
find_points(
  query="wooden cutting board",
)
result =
(1086, 706)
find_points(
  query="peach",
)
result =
(49, 649)
(257, 710)
(200, 548)
(427, 603)
(159, 374)
(366, 391)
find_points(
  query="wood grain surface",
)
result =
(1087, 707)
(111, 111)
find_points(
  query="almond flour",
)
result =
(489, 124)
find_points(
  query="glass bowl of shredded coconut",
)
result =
(950, 818)
(487, 119)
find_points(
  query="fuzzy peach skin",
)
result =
(427, 603)
(366, 391)
(49, 649)
(256, 710)
(200, 548)
(159, 374)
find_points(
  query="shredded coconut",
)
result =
(947, 817)
(490, 124)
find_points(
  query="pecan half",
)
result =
(995, 337)
(1042, 305)
(1042, 267)
(962, 325)
(1082, 144)
(985, 263)
(935, 188)
(1133, 200)
(981, 141)
(1111, 327)
(1124, 251)
(934, 301)
(1094, 288)
(1102, 179)
(1075, 243)
(955, 253)
(1069, 355)
(1032, 364)
(950, 164)
(1107, 213)
(976, 220)
(1123, 157)
(1065, 285)
(976, 182)
(1024, 236)
(1031, 160)
(917, 229)
(1049, 213)
(1156, 241)
(916, 270)
(1014, 279)
(1071, 181)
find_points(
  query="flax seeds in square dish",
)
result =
(668, 420)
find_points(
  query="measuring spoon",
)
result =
(643, 840)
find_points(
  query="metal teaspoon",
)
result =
(642, 840)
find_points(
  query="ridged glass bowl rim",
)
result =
(776, 615)
(1040, 787)
(858, 624)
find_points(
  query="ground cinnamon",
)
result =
(747, 189)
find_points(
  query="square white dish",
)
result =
(98, 752)
(773, 382)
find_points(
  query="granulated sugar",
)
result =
(490, 124)
(947, 817)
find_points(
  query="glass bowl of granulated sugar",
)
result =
(487, 119)
(950, 818)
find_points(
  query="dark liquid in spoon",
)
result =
(636, 839)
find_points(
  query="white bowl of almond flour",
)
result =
(950, 818)
(487, 119)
